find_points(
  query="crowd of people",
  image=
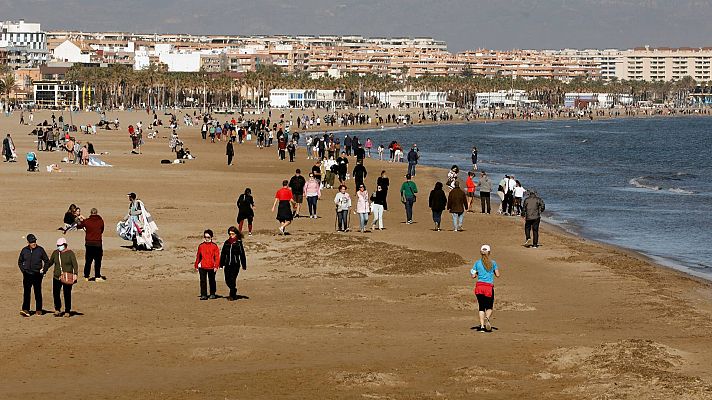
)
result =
(332, 156)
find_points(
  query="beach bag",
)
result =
(66, 278)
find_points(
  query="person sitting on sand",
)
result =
(485, 270)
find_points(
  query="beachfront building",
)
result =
(596, 100)
(303, 98)
(24, 44)
(504, 98)
(53, 91)
(412, 99)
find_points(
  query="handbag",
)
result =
(66, 278)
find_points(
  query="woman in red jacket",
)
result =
(207, 262)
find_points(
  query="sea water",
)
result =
(644, 184)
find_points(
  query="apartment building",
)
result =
(666, 64)
(24, 44)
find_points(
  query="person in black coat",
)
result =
(232, 257)
(437, 202)
(384, 182)
(230, 152)
(360, 174)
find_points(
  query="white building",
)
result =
(596, 100)
(181, 62)
(69, 51)
(504, 98)
(413, 99)
(25, 43)
(298, 98)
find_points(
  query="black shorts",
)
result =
(470, 194)
(298, 198)
(484, 302)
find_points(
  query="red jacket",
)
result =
(94, 226)
(208, 256)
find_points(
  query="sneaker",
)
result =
(90, 279)
(534, 247)
(281, 230)
(100, 278)
(86, 279)
(409, 222)
(527, 243)
(203, 297)
(249, 234)
(212, 297)
(488, 325)
(25, 313)
(58, 313)
(481, 329)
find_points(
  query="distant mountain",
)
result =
(464, 24)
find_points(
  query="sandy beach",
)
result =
(381, 315)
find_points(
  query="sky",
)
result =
(463, 24)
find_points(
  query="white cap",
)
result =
(61, 241)
(485, 248)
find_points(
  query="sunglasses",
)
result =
(208, 237)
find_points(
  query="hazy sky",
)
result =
(464, 24)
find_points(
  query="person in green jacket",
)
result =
(408, 191)
(64, 261)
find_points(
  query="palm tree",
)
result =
(7, 86)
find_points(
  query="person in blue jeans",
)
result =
(408, 191)
(413, 157)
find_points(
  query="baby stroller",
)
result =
(33, 164)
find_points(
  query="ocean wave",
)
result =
(661, 183)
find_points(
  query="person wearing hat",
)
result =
(485, 270)
(408, 191)
(65, 263)
(32, 260)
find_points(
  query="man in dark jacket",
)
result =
(413, 157)
(533, 207)
(457, 205)
(94, 226)
(32, 261)
(296, 183)
(229, 152)
(360, 174)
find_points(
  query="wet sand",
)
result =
(382, 315)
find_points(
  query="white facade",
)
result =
(70, 52)
(503, 98)
(413, 99)
(181, 62)
(285, 98)
(596, 100)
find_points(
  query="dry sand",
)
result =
(383, 315)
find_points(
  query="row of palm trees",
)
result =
(154, 86)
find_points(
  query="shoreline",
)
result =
(660, 261)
